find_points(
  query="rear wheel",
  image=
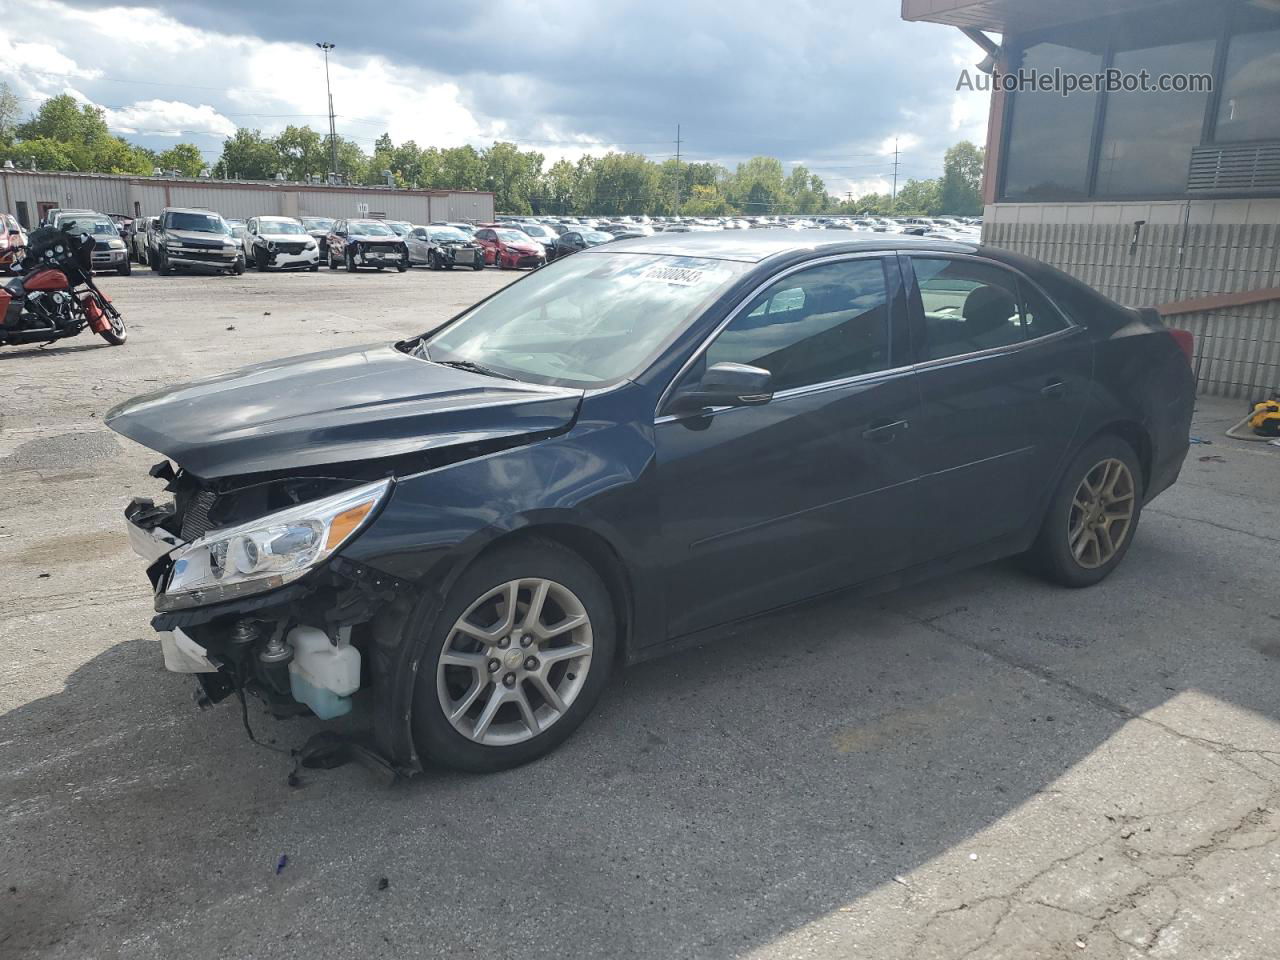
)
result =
(1093, 516)
(516, 659)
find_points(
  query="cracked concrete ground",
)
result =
(984, 766)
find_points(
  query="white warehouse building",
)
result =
(30, 194)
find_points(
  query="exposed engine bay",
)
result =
(298, 645)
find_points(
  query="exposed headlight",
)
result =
(115, 244)
(309, 245)
(269, 552)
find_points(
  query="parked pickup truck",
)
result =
(198, 239)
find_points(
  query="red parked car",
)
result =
(508, 248)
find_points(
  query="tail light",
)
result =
(1186, 342)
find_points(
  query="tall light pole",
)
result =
(333, 130)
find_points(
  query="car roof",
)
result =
(753, 246)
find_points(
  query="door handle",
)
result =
(1054, 390)
(884, 432)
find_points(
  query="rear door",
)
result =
(765, 505)
(1002, 388)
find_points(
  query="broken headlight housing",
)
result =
(268, 552)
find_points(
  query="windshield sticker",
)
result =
(685, 276)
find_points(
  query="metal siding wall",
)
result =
(110, 194)
(1238, 349)
(107, 195)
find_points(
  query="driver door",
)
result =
(768, 504)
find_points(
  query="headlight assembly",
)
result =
(269, 552)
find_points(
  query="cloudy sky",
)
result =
(826, 83)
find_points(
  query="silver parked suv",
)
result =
(194, 238)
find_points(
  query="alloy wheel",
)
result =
(514, 662)
(1101, 513)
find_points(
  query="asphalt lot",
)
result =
(985, 766)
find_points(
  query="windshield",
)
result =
(99, 228)
(317, 223)
(279, 226)
(197, 222)
(512, 236)
(399, 229)
(534, 230)
(584, 320)
(370, 228)
(448, 235)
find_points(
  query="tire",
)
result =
(1075, 518)
(402, 266)
(351, 262)
(433, 261)
(328, 258)
(478, 265)
(117, 333)
(162, 265)
(125, 268)
(567, 575)
(314, 267)
(259, 260)
(238, 268)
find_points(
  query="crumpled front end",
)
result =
(251, 592)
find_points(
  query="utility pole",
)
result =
(679, 178)
(333, 130)
(893, 200)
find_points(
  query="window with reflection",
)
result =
(1250, 105)
(1147, 137)
(1049, 135)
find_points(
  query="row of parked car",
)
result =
(193, 239)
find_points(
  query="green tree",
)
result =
(512, 175)
(9, 113)
(183, 157)
(920, 197)
(64, 119)
(705, 201)
(961, 190)
(248, 155)
(39, 154)
(757, 186)
(301, 152)
(462, 168)
(555, 190)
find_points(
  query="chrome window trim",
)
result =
(1018, 347)
(881, 255)
(793, 392)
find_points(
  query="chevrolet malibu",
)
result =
(463, 533)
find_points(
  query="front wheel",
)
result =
(125, 268)
(314, 267)
(1093, 516)
(117, 332)
(403, 265)
(515, 660)
(238, 267)
(351, 262)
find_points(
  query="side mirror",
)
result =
(726, 385)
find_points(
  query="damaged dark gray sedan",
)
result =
(462, 533)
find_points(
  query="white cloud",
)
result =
(169, 118)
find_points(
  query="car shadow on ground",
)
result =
(717, 799)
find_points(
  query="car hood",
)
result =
(336, 407)
(285, 237)
(374, 238)
(200, 237)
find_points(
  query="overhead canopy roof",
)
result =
(1016, 16)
